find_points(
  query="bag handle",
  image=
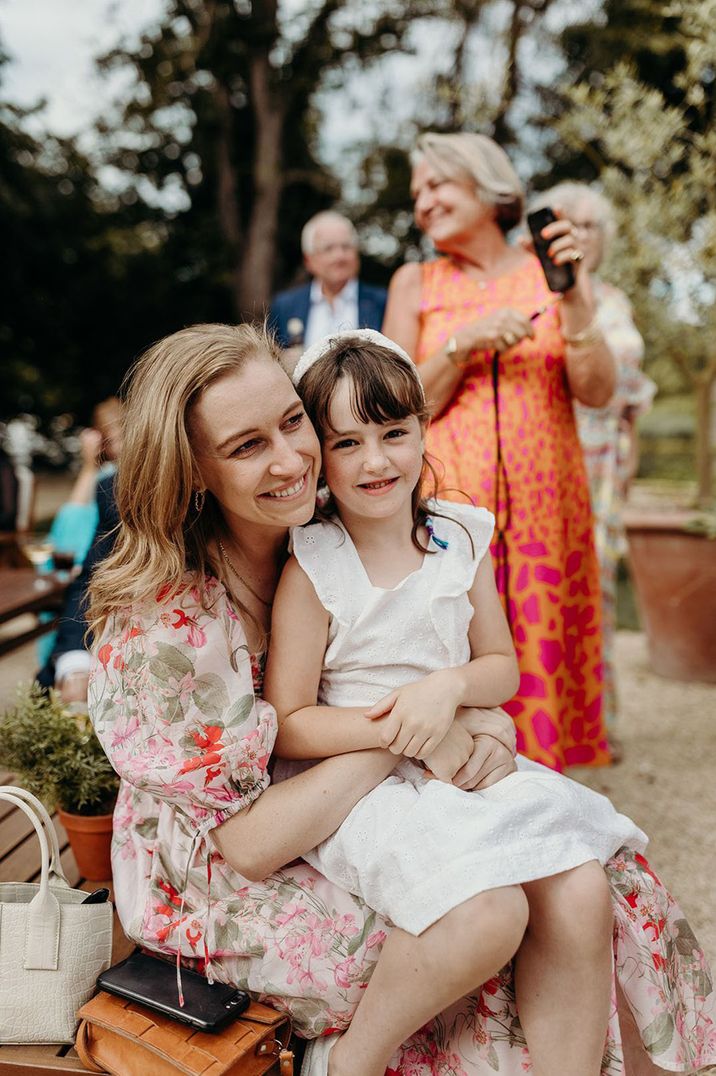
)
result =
(41, 810)
(82, 1048)
(42, 928)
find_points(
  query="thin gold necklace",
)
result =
(240, 577)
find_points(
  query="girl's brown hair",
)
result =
(161, 535)
(383, 388)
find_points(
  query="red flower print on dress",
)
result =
(208, 743)
(104, 653)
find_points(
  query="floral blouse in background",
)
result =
(606, 437)
(172, 700)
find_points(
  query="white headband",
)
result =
(372, 336)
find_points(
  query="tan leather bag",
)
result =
(122, 1038)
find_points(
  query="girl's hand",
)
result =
(419, 715)
(452, 755)
(497, 332)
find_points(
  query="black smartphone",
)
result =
(559, 277)
(153, 982)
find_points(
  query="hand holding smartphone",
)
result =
(559, 277)
(153, 982)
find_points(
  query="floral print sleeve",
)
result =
(172, 702)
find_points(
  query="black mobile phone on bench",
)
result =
(559, 277)
(153, 982)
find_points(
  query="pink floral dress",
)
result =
(173, 702)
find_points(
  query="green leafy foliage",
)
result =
(55, 754)
(654, 149)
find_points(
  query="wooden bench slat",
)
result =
(6, 778)
(37, 1060)
(23, 863)
(15, 828)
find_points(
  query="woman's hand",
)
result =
(492, 722)
(477, 751)
(564, 246)
(496, 332)
(590, 365)
(489, 762)
(494, 745)
(419, 715)
(452, 754)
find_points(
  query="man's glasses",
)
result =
(334, 248)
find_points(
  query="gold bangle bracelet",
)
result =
(586, 337)
(586, 345)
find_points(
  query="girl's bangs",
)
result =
(383, 389)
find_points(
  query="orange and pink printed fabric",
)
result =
(551, 583)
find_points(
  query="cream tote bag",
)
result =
(52, 947)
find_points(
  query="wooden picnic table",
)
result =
(20, 862)
(22, 590)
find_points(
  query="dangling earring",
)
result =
(323, 493)
(199, 498)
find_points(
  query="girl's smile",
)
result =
(377, 488)
(371, 468)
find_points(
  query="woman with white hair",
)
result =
(607, 433)
(502, 359)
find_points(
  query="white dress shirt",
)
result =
(325, 317)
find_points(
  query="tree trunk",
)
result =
(227, 190)
(259, 255)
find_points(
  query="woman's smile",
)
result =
(291, 491)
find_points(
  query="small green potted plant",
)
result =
(54, 753)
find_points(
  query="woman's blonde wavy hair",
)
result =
(160, 535)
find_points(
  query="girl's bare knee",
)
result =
(487, 927)
(577, 904)
(587, 889)
(503, 912)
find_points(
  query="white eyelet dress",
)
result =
(414, 848)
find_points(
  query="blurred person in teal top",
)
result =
(75, 524)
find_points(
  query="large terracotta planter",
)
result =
(90, 838)
(674, 575)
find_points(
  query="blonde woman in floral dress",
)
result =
(219, 461)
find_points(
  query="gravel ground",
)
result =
(666, 779)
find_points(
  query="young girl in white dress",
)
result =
(385, 624)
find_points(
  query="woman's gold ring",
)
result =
(576, 256)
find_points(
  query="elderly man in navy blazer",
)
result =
(335, 298)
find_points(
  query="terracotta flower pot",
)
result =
(90, 838)
(674, 575)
